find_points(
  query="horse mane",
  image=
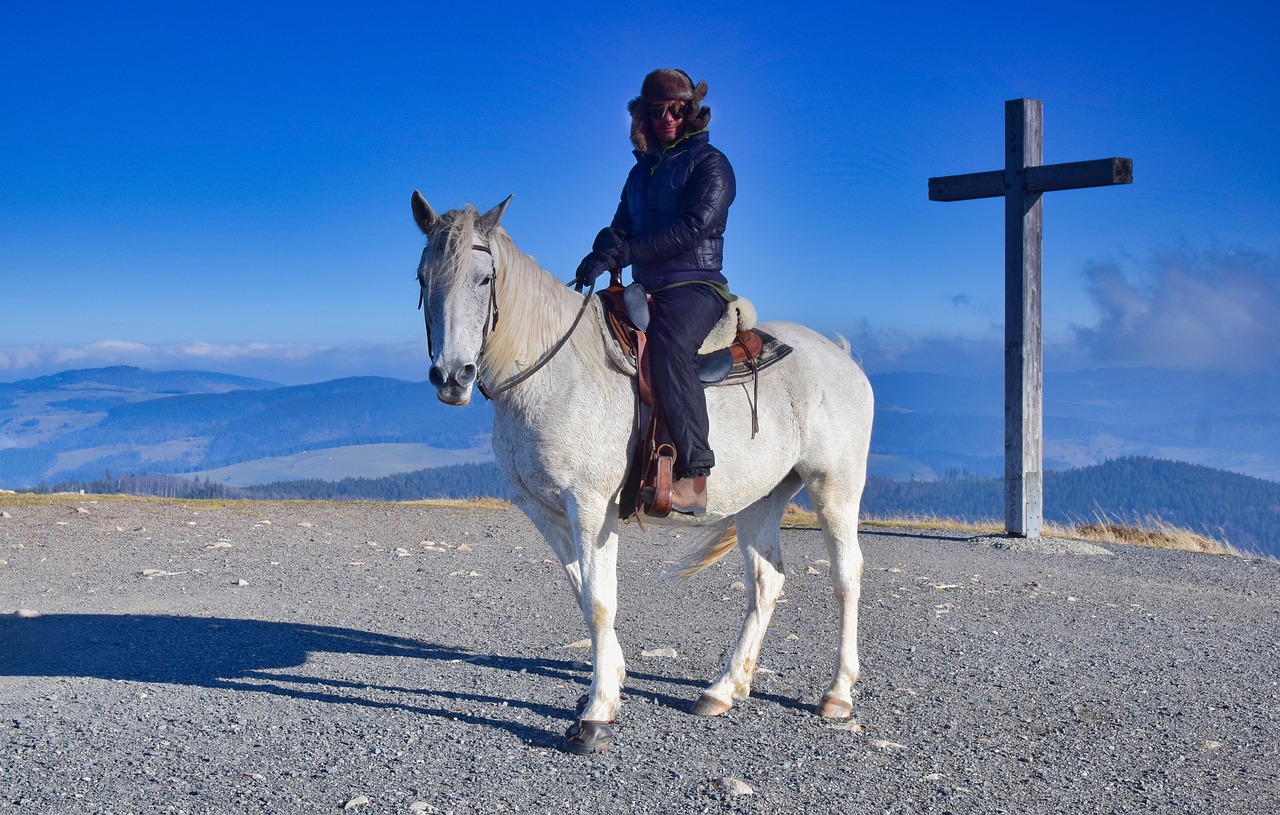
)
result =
(535, 309)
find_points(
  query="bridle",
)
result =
(491, 323)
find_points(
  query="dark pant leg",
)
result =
(681, 319)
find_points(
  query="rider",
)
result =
(669, 228)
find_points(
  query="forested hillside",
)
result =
(1242, 510)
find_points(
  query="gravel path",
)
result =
(309, 658)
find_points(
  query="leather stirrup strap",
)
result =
(644, 374)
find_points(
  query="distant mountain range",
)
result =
(76, 424)
(929, 429)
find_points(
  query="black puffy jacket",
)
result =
(673, 212)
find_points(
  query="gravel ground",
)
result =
(171, 656)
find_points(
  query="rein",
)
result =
(491, 323)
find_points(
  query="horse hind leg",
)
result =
(758, 539)
(835, 501)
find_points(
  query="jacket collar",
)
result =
(679, 145)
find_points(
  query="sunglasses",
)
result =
(678, 110)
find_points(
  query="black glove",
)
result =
(591, 267)
(611, 244)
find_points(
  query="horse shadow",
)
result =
(256, 655)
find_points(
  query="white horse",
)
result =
(562, 438)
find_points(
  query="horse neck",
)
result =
(535, 310)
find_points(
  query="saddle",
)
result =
(733, 352)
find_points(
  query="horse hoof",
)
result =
(588, 738)
(585, 699)
(832, 708)
(710, 706)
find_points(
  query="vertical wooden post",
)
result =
(1021, 183)
(1023, 355)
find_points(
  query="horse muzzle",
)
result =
(453, 386)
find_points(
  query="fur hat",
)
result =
(658, 86)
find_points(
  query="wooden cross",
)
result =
(1021, 182)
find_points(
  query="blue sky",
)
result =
(226, 186)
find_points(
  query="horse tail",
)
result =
(714, 544)
(847, 347)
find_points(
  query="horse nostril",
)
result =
(436, 376)
(468, 374)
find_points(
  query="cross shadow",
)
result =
(958, 537)
(255, 655)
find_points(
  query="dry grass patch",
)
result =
(29, 499)
(1150, 531)
(1156, 534)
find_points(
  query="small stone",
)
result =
(811, 570)
(738, 586)
(793, 637)
(257, 776)
(887, 746)
(732, 786)
(222, 544)
(82, 511)
(358, 801)
(1211, 745)
(5, 515)
(402, 552)
(669, 653)
(462, 547)
(27, 613)
(242, 582)
(153, 573)
(420, 806)
(263, 523)
(306, 524)
(852, 726)
(578, 644)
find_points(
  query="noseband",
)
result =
(491, 323)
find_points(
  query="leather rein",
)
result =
(491, 323)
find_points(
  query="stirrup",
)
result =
(655, 498)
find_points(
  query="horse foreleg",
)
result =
(758, 539)
(597, 540)
(555, 528)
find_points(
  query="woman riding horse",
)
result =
(669, 228)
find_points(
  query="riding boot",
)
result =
(689, 495)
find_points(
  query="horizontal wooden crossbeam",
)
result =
(1075, 175)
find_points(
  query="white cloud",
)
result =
(1198, 310)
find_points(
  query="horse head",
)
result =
(458, 277)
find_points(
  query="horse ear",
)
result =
(423, 213)
(490, 220)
